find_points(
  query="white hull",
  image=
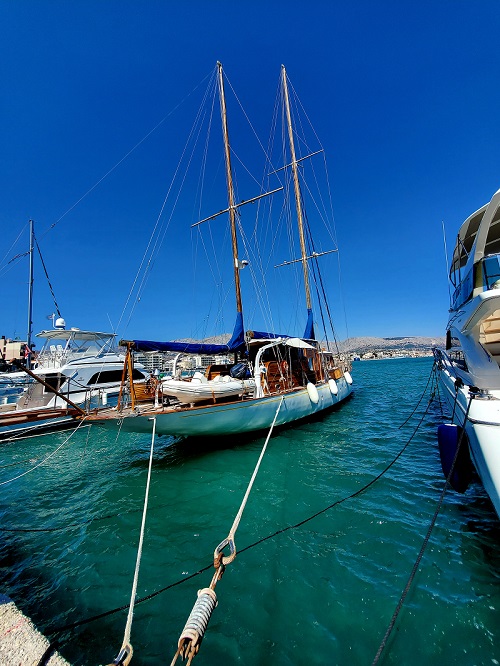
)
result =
(483, 430)
(236, 417)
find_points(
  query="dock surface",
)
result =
(21, 644)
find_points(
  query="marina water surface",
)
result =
(316, 592)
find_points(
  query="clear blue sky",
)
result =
(405, 97)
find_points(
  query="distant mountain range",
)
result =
(362, 345)
(366, 344)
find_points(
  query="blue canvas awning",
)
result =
(264, 335)
(236, 343)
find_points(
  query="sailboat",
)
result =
(273, 378)
(468, 368)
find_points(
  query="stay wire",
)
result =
(74, 625)
(127, 154)
(424, 544)
(47, 276)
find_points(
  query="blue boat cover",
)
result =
(236, 343)
(263, 335)
(309, 332)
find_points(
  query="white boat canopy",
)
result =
(74, 334)
(291, 342)
(298, 343)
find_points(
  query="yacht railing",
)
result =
(442, 360)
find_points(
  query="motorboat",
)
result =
(468, 369)
(82, 364)
(74, 368)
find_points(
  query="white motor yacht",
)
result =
(468, 368)
(73, 367)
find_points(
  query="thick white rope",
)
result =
(245, 498)
(192, 635)
(128, 626)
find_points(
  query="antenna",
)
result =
(446, 260)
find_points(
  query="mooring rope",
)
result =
(3, 483)
(194, 630)
(78, 623)
(126, 651)
(425, 541)
(432, 373)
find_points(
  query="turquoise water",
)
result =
(322, 593)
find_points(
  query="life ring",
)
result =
(284, 366)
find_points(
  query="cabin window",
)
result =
(458, 359)
(454, 339)
(115, 376)
(491, 271)
(464, 290)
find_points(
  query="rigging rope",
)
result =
(126, 651)
(47, 276)
(110, 171)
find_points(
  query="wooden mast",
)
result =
(230, 189)
(296, 185)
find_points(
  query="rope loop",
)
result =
(124, 656)
(219, 557)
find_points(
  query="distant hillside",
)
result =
(362, 345)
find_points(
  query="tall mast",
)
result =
(230, 189)
(297, 190)
(30, 297)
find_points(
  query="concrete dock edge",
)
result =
(21, 644)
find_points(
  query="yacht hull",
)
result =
(29, 422)
(235, 417)
(483, 430)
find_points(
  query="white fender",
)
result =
(313, 393)
(348, 377)
(333, 386)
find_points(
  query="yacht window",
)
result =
(464, 290)
(452, 339)
(491, 269)
(115, 376)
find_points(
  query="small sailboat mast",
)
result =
(298, 201)
(30, 296)
(230, 189)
